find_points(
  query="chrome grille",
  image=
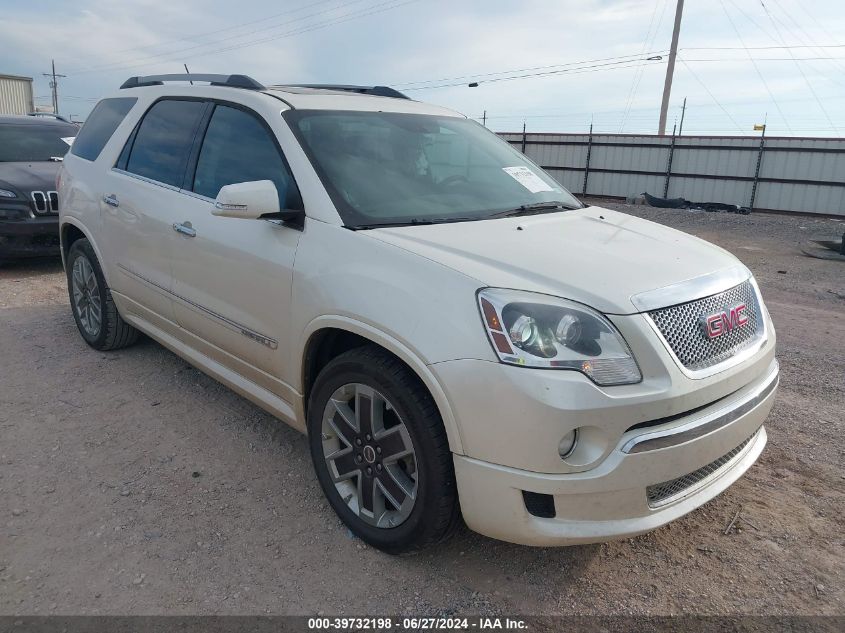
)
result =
(45, 202)
(681, 326)
(662, 493)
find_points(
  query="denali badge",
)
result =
(714, 325)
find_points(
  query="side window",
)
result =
(239, 148)
(101, 124)
(163, 141)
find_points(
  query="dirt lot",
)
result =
(131, 483)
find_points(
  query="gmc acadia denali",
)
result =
(456, 334)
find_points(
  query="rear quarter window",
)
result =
(101, 124)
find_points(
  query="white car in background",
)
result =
(455, 332)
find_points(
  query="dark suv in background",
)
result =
(31, 150)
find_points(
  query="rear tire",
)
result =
(380, 452)
(93, 308)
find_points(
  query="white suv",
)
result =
(456, 334)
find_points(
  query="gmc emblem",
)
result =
(719, 323)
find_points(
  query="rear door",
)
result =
(142, 202)
(232, 277)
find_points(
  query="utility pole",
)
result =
(683, 112)
(484, 119)
(670, 68)
(54, 85)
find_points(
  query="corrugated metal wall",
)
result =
(804, 175)
(15, 95)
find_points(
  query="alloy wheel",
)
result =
(86, 296)
(370, 455)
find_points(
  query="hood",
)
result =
(594, 256)
(26, 177)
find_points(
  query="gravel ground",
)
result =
(131, 483)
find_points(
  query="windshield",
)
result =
(34, 142)
(384, 168)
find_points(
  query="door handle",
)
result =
(111, 200)
(185, 229)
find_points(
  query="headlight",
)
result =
(535, 330)
(5, 193)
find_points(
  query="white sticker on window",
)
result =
(68, 139)
(527, 179)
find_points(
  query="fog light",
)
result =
(567, 444)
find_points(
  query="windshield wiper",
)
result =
(535, 208)
(411, 222)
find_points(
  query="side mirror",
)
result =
(247, 200)
(253, 200)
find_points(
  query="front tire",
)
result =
(380, 452)
(93, 308)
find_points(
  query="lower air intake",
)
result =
(668, 491)
(539, 505)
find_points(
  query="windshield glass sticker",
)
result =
(527, 179)
(68, 139)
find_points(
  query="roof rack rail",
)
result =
(378, 91)
(231, 81)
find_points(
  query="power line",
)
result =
(798, 27)
(603, 114)
(189, 38)
(615, 65)
(800, 70)
(375, 9)
(148, 58)
(772, 37)
(815, 21)
(638, 75)
(758, 48)
(707, 90)
(754, 63)
(462, 78)
(169, 56)
(764, 59)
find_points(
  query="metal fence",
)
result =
(804, 175)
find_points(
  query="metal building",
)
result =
(16, 95)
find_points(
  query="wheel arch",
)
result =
(328, 336)
(71, 230)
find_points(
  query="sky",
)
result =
(553, 65)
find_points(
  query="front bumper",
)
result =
(646, 453)
(587, 509)
(32, 237)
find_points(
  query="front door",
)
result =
(232, 277)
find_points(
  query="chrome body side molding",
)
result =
(238, 327)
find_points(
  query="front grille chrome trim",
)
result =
(710, 422)
(738, 354)
(691, 289)
(667, 492)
